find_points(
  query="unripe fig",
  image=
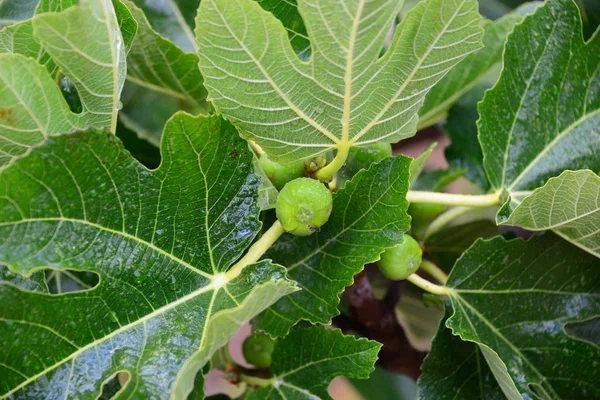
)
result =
(303, 206)
(257, 349)
(402, 260)
(361, 158)
(280, 174)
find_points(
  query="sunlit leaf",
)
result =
(159, 240)
(346, 94)
(569, 205)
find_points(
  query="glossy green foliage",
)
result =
(360, 158)
(402, 260)
(497, 287)
(456, 370)
(306, 360)
(303, 206)
(369, 215)
(545, 105)
(159, 240)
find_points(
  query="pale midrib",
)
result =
(408, 80)
(277, 89)
(113, 231)
(521, 101)
(348, 73)
(115, 55)
(559, 224)
(550, 145)
(212, 286)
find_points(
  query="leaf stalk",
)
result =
(451, 199)
(256, 251)
(428, 286)
(329, 171)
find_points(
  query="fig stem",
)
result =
(256, 148)
(428, 286)
(444, 219)
(256, 381)
(434, 271)
(329, 171)
(451, 199)
(256, 251)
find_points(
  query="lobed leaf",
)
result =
(305, 362)
(569, 205)
(369, 215)
(515, 298)
(85, 42)
(346, 94)
(545, 105)
(470, 72)
(159, 240)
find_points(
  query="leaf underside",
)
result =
(346, 94)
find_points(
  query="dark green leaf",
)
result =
(306, 360)
(454, 369)
(159, 240)
(369, 215)
(447, 245)
(465, 150)
(543, 115)
(515, 297)
(287, 12)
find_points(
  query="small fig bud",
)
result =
(257, 350)
(280, 174)
(316, 163)
(303, 206)
(404, 259)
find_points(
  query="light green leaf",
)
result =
(346, 94)
(369, 215)
(543, 115)
(306, 360)
(569, 205)
(158, 64)
(86, 43)
(454, 369)
(159, 240)
(472, 70)
(515, 297)
(19, 39)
